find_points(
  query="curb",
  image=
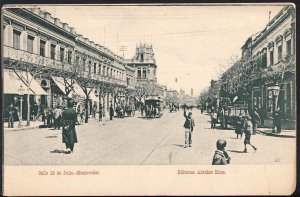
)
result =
(21, 129)
(276, 134)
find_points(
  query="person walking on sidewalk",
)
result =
(213, 119)
(255, 118)
(247, 130)
(94, 110)
(11, 114)
(189, 127)
(221, 157)
(239, 126)
(69, 118)
(111, 112)
(57, 113)
(100, 112)
(277, 121)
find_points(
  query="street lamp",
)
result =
(21, 94)
(275, 91)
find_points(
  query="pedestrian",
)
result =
(221, 157)
(239, 126)
(11, 114)
(57, 114)
(94, 109)
(142, 110)
(213, 120)
(277, 121)
(111, 112)
(263, 115)
(34, 110)
(82, 115)
(189, 127)
(44, 114)
(69, 118)
(222, 116)
(100, 112)
(247, 130)
(226, 114)
(255, 118)
(49, 117)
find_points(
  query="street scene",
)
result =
(135, 141)
(153, 86)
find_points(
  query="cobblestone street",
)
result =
(135, 140)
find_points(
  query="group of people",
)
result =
(220, 157)
(46, 113)
(246, 124)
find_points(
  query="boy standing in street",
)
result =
(189, 126)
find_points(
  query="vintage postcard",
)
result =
(157, 99)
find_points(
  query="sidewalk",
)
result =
(287, 129)
(33, 125)
(38, 124)
(284, 133)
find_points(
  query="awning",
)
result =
(59, 81)
(77, 90)
(33, 84)
(92, 95)
(12, 83)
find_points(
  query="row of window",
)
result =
(42, 49)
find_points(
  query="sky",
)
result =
(194, 44)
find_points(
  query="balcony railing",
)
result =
(37, 60)
(31, 58)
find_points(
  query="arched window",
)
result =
(278, 40)
(144, 73)
(139, 74)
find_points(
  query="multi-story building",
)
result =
(52, 62)
(145, 64)
(268, 62)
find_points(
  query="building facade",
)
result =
(52, 62)
(267, 62)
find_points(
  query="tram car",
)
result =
(153, 107)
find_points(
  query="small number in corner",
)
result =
(277, 160)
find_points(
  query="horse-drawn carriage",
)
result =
(153, 107)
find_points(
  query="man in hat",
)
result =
(11, 113)
(69, 118)
(111, 112)
(247, 130)
(221, 157)
(57, 113)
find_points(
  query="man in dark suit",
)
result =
(189, 127)
(11, 113)
(69, 118)
(111, 112)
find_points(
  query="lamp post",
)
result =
(275, 90)
(21, 94)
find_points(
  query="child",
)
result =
(221, 157)
(247, 130)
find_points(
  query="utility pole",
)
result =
(123, 48)
(104, 37)
(117, 44)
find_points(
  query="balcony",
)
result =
(10, 53)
